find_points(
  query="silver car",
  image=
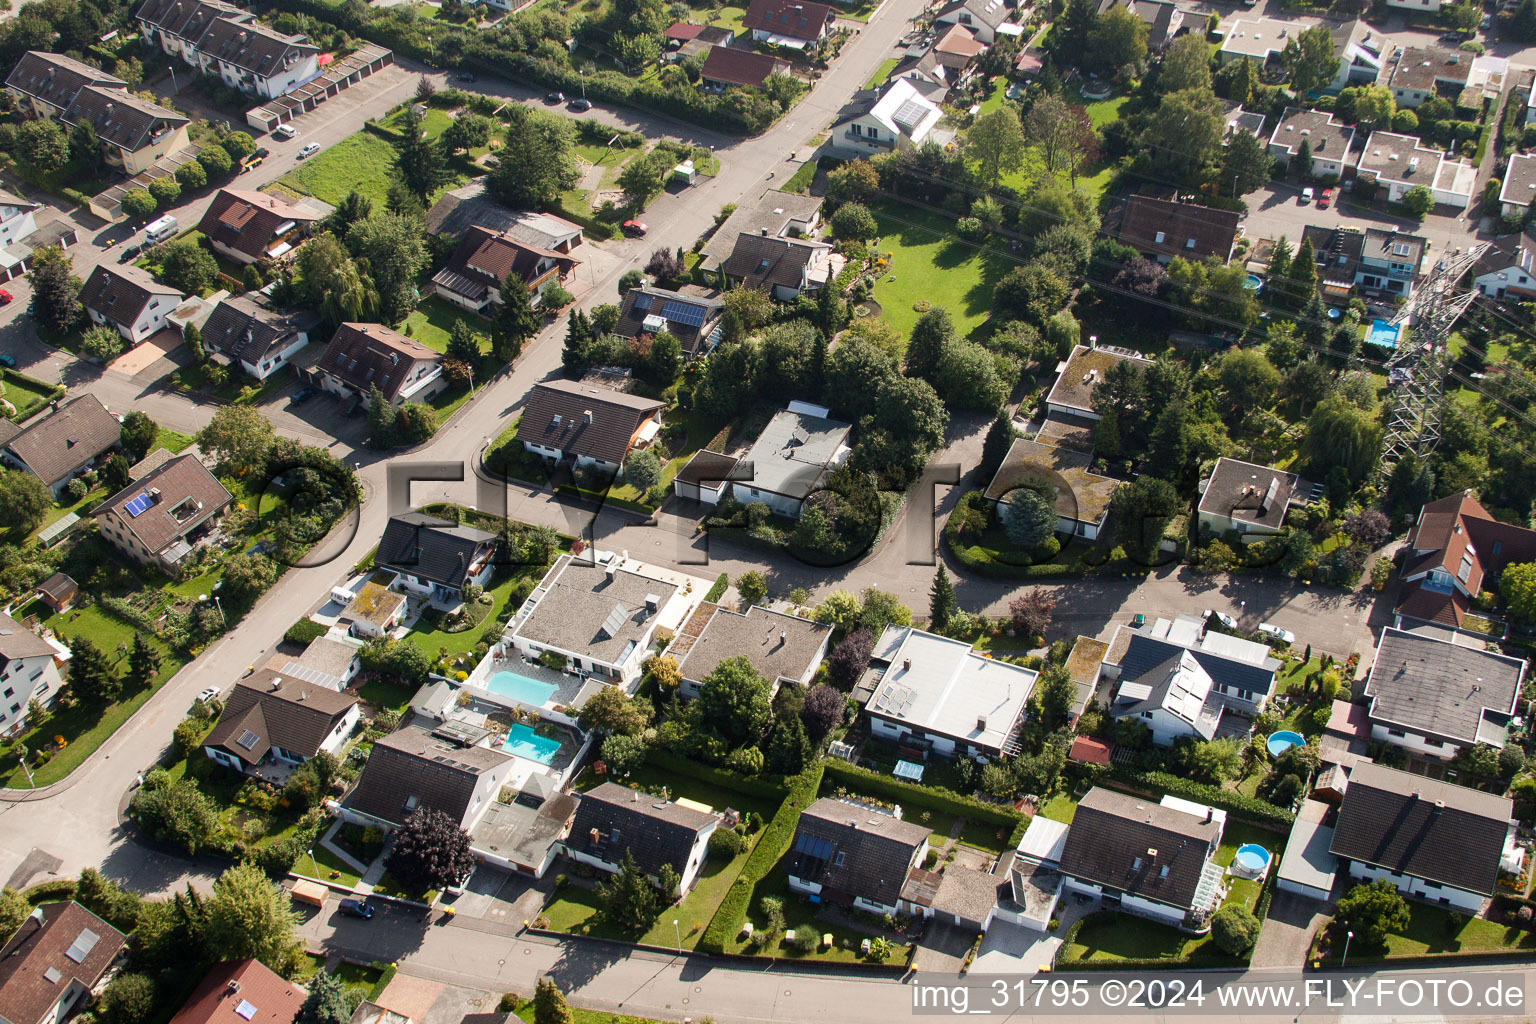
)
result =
(1269, 629)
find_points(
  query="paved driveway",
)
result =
(1288, 930)
(153, 358)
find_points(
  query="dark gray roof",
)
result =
(1125, 842)
(120, 118)
(1411, 825)
(1442, 689)
(173, 16)
(243, 328)
(777, 645)
(775, 212)
(854, 850)
(120, 293)
(251, 46)
(281, 712)
(77, 432)
(1249, 492)
(55, 78)
(432, 549)
(457, 211)
(765, 261)
(556, 416)
(689, 318)
(794, 453)
(1145, 654)
(576, 613)
(969, 893)
(361, 355)
(412, 762)
(17, 641)
(656, 831)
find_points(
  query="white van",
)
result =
(160, 230)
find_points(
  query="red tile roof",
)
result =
(798, 19)
(242, 992)
(740, 67)
(1089, 750)
(59, 944)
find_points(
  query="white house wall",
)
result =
(1412, 741)
(1470, 902)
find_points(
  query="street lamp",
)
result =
(314, 865)
(583, 84)
(1345, 957)
(27, 768)
(678, 932)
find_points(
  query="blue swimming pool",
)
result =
(1279, 742)
(521, 688)
(524, 742)
(1383, 333)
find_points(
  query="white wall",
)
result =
(277, 360)
(1413, 741)
(1469, 902)
(782, 504)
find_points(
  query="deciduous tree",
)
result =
(611, 710)
(996, 143)
(430, 852)
(250, 916)
(238, 437)
(1311, 59)
(55, 289)
(733, 701)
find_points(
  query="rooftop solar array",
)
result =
(248, 739)
(82, 946)
(910, 114)
(138, 506)
(683, 313)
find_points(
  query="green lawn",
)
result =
(432, 321)
(360, 162)
(800, 913)
(26, 394)
(1060, 808)
(433, 123)
(884, 71)
(171, 440)
(1430, 933)
(700, 433)
(580, 1016)
(432, 639)
(929, 262)
(1295, 673)
(387, 694)
(330, 866)
(389, 887)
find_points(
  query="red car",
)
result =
(1324, 200)
(5, 297)
(635, 227)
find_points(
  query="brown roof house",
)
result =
(956, 49)
(270, 718)
(1453, 550)
(785, 268)
(855, 855)
(56, 961)
(1082, 496)
(1249, 498)
(135, 134)
(1161, 229)
(435, 558)
(790, 23)
(361, 357)
(159, 518)
(130, 299)
(484, 260)
(727, 66)
(612, 820)
(695, 322)
(60, 445)
(469, 206)
(242, 992)
(248, 226)
(587, 424)
(782, 648)
(245, 329)
(29, 670)
(46, 83)
(1438, 841)
(413, 768)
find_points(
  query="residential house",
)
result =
(1306, 867)
(245, 54)
(931, 694)
(613, 821)
(601, 616)
(705, 477)
(1082, 496)
(1519, 188)
(57, 960)
(374, 610)
(242, 992)
(246, 330)
(780, 214)
(435, 558)
(967, 898)
(469, 206)
(247, 226)
(1507, 270)
(158, 519)
(135, 134)
(927, 70)
(793, 24)
(413, 768)
(1240, 120)
(1172, 698)
(1163, 18)
(1422, 72)
(1249, 498)
(59, 446)
(1072, 394)
(1455, 551)
(1162, 229)
(1262, 39)
(484, 260)
(1158, 859)
(58, 592)
(849, 854)
(361, 357)
(897, 116)
(21, 234)
(793, 457)
(1034, 876)
(1242, 672)
(130, 299)
(727, 66)
(586, 424)
(1326, 140)
(695, 322)
(783, 649)
(1434, 698)
(982, 17)
(708, 36)
(44, 84)
(1390, 262)
(785, 268)
(956, 50)
(525, 833)
(269, 718)
(330, 661)
(1435, 840)
(175, 26)
(29, 671)
(18, 218)
(1401, 162)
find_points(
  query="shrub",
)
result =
(305, 631)
(726, 843)
(1234, 929)
(804, 943)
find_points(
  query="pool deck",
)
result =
(567, 686)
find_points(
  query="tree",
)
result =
(643, 178)
(1029, 515)
(1247, 164)
(250, 916)
(734, 701)
(1186, 65)
(177, 814)
(1301, 285)
(92, 678)
(549, 1006)
(753, 587)
(468, 131)
(853, 182)
(24, 500)
(971, 377)
(931, 335)
(1057, 696)
(187, 266)
(1117, 39)
(238, 437)
(84, 146)
(101, 342)
(831, 317)
(14, 909)
(165, 191)
(41, 146)
(516, 319)
(1030, 613)
(137, 204)
(109, 901)
(127, 999)
(1369, 528)
(1522, 26)
(854, 221)
(1142, 510)
(431, 851)
(996, 143)
(1194, 118)
(334, 282)
(138, 433)
(1311, 60)
(1374, 107)
(55, 289)
(391, 246)
(611, 710)
(216, 162)
(823, 710)
(463, 344)
(642, 470)
(1418, 201)
(247, 577)
(327, 1002)
(1238, 80)
(143, 662)
(626, 900)
(1000, 438)
(1373, 910)
(1032, 293)
(1518, 585)
(1234, 929)
(1340, 433)
(790, 750)
(850, 657)
(941, 600)
(418, 163)
(1248, 378)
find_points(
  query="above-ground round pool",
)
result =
(1253, 282)
(1250, 861)
(1279, 742)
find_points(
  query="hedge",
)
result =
(718, 590)
(771, 845)
(1255, 810)
(49, 891)
(713, 776)
(935, 797)
(305, 631)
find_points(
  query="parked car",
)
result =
(467, 76)
(581, 104)
(635, 227)
(1271, 630)
(554, 97)
(6, 297)
(1306, 196)
(7, 360)
(209, 695)
(256, 158)
(1325, 199)
(1221, 617)
(285, 131)
(1453, 37)
(314, 147)
(1486, 23)
(356, 908)
(301, 396)
(130, 253)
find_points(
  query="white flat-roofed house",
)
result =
(1519, 188)
(1402, 162)
(792, 457)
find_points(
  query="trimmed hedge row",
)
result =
(718, 590)
(935, 797)
(714, 776)
(1251, 808)
(771, 845)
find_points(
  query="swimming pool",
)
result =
(524, 742)
(1279, 742)
(1251, 861)
(1383, 333)
(521, 688)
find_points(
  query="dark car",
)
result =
(467, 76)
(1454, 37)
(301, 396)
(130, 253)
(581, 104)
(554, 97)
(7, 360)
(356, 908)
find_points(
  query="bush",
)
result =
(804, 943)
(726, 843)
(1248, 807)
(946, 801)
(1234, 929)
(305, 631)
(722, 582)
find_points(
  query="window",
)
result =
(1159, 237)
(10, 692)
(837, 861)
(1190, 244)
(874, 133)
(1146, 714)
(856, 129)
(1396, 732)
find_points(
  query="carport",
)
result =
(1308, 868)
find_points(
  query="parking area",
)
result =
(495, 894)
(153, 358)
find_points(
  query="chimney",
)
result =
(764, 231)
(981, 723)
(1209, 815)
(906, 664)
(587, 416)
(594, 835)
(277, 682)
(783, 636)
(234, 986)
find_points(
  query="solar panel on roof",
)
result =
(642, 301)
(683, 313)
(615, 620)
(247, 739)
(82, 946)
(813, 846)
(138, 506)
(910, 114)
